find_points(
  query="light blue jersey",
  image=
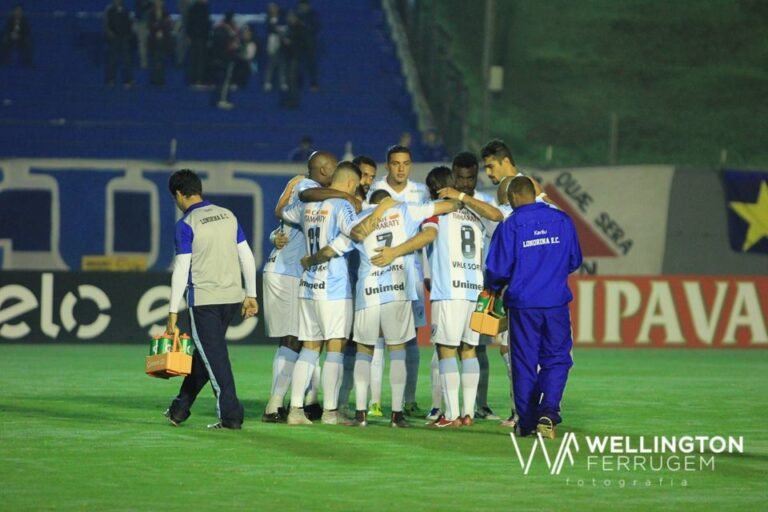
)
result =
(398, 280)
(322, 223)
(287, 261)
(412, 193)
(456, 257)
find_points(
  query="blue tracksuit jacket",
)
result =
(532, 252)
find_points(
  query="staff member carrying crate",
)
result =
(211, 249)
(532, 252)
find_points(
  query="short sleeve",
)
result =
(293, 213)
(420, 212)
(431, 222)
(305, 185)
(342, 244)
(347, 217)
(183, 238)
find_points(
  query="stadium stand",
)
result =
(61, 107)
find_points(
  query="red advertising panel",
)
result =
(670, 311)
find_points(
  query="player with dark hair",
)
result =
(401, 188)
(465, 168)
(211, 249)
(367, 167)
(456, 263)
(498, 162)
(531, 254)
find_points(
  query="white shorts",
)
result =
(321, 320)
(500, 339)
(419, 308)
(281, 305)
(450, 323)
(394, 320)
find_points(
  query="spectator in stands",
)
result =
(405, 140)
(308, 58)
(141, 10)
(293, 45)
(301, 152)
(159, 41)
(432, 150)
(275, 58)
(198, 31)
(225, 48)
(180, 31)
(245, 65)
(117, 27)
(17, 35)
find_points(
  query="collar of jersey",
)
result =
(197, 205)
(531, 205)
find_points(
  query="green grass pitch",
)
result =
(81, 428)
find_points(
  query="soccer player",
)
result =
(465, 169)
(368, 170)
(401, 188)
(500, 168)
(384, 296)
(211, 250)
(532, 253)
(282, 272)
(456, 262)
(368, 174)
(499, 164)
(325, 305)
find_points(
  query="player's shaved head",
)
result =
(378, 196)
(521, 191)
(321, 165)
(346, 170)
(346, 177)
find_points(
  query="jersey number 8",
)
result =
(468, 242)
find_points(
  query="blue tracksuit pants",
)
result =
(539, 337)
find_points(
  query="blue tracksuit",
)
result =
(532, 252)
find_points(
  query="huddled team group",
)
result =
(352, 256)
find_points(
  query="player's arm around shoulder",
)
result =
(482, 208)
(319, 194)
(285, 197)
(446, 206)
(366, 226)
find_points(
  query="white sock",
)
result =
(314, 387)
(412, 369)
(377, 371)
(332, 374)
(437, 388)
(470, 376)
(449, 374)
(362, 380)
(347, 379)
(277, 365)
(302, 375)
(285, 359)
(397, 378)
(508, 363)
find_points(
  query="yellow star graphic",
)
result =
(756, 215)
